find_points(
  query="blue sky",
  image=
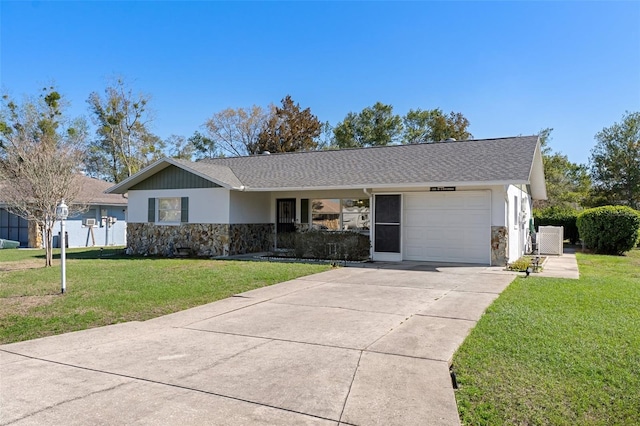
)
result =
(510, 67)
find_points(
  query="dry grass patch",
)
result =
(22, 305)
(107, 288)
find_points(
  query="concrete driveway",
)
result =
(358, 345)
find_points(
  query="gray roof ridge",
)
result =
(279, 154)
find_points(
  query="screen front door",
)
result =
(286, 215)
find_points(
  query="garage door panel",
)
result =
(479, 220)
(417, 218)
(476, 202)
(447, 227)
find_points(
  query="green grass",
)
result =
(116, 288)
(557, 352)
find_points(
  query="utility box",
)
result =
(550, 240)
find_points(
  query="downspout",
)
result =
(371, 227)
(520, 223)
(507, 223)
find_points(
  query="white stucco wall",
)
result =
(518, 215)
(206, 205)
(250, 207)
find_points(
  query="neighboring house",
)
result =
(466, 201)
(102, 222)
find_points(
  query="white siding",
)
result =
(518, 215)
(103, 234)
(206, 205)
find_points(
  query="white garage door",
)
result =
(448, 226)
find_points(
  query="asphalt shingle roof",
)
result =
(481, 160)
(218, 172)
(92, 191)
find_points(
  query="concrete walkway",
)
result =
(565, 266)
(352, 346)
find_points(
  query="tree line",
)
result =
(41, 149)
(123, 142)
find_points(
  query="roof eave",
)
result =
(536, 175)
(392, 186)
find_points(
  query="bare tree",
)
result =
(235, 131)
(124, 143)
(180, 147)
(39, 159)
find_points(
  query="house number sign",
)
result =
(443, 188)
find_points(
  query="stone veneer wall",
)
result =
(203, 239)
(251, 238)
(499, 245)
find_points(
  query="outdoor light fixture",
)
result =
(62, 211)
(529, 270)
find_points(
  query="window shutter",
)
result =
(151, 215)
(304, 210)
(184, 209)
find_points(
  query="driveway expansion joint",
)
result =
(353, 379)
(444, 361)
(155, 382)
(275, 339)
(337, 307)
(443, 317)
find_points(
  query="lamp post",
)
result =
(62, 211)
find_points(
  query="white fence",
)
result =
(550, 239)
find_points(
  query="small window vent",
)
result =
(89, 222)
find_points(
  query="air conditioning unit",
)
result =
(89, 222)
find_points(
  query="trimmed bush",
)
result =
(557, 216)
(609, 229)
(327, 245)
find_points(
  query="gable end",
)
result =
(173, 177)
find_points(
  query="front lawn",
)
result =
(116, 288)
(556, 351)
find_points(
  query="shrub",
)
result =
(558, 216)
(520, 265)
(329, 245)
(609, 229)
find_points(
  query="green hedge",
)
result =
(554, 216)
(326, 245)
(609, 229)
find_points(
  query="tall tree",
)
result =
(373, 126)
(40, 154)
(233, 131)
(615, 162)
(289, 128)
(203, 146)
(124, 143)
(568, 183)
(434, 125)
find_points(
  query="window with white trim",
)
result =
(334, 214)
(168, 210)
